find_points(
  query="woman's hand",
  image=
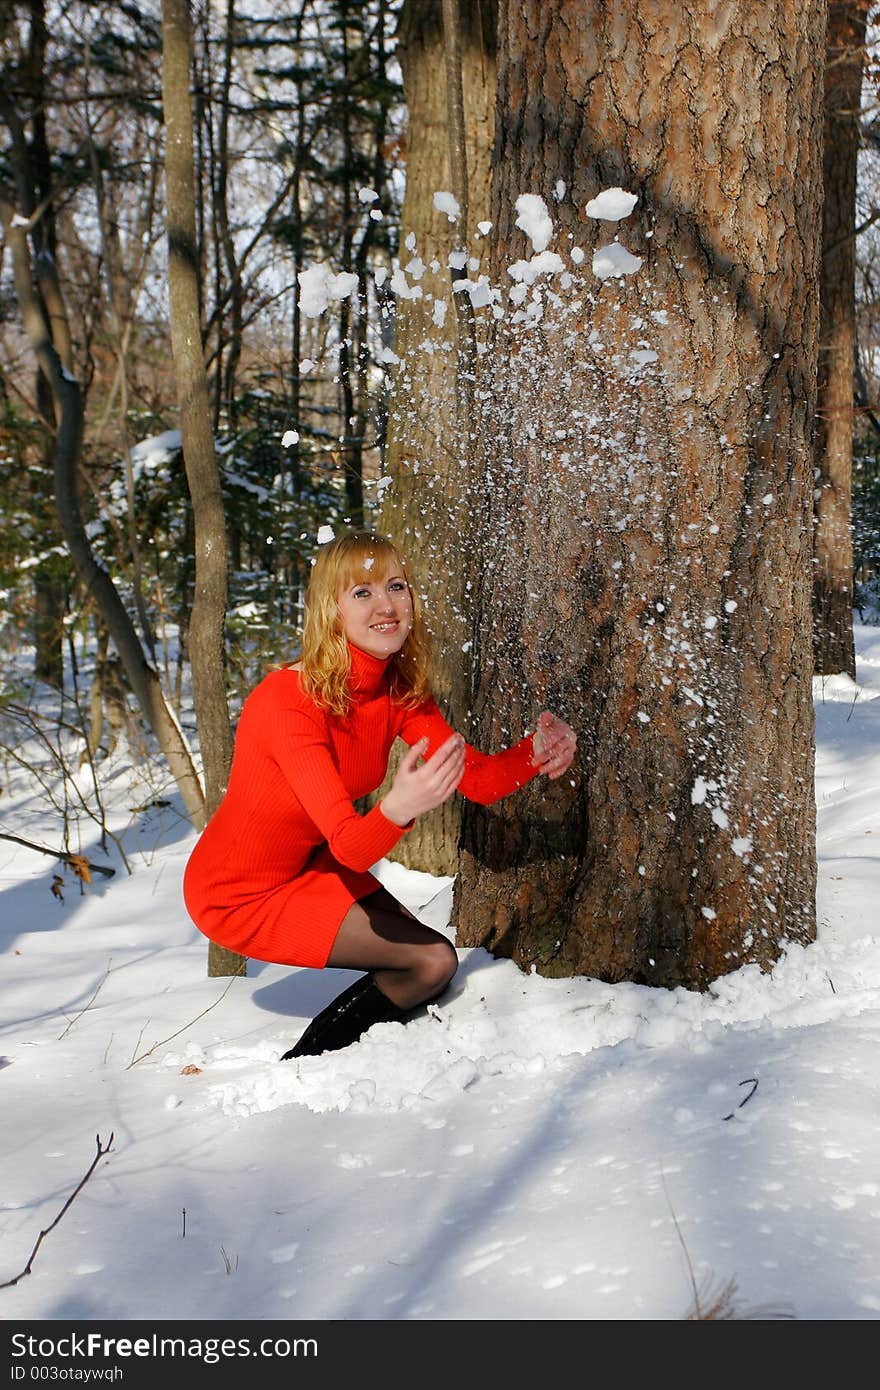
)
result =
(418, 788)
(554, 743)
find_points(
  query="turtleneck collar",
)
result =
(367, 672)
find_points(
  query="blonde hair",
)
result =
(325, 664)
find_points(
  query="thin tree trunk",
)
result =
(644, 567)
(426, 509)
(226, 371)
(466, 354)
(351, 442)
(96, 694)
(206, 629)
(118, 298)
(48, 627)
(833, 644)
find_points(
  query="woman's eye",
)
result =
(361, 593)
(397, 586)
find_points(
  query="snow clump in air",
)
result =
(534, 219)
(614, 260)
(479, 291)
(399, 285)
(447, 202)
(367, 195)
(325, 534)
(289, 438)
(318, 285)
(611, 205)
(544, 263)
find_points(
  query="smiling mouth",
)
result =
(384, 627)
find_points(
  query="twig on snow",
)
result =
(89, 1004)
(102, 1150)
(161, 1041)
(749, 1081)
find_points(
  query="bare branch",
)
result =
(102, 1150)
(134, 1061)
(75, 861)
(87, 1006)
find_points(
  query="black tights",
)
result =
(410, 963)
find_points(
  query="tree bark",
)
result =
(119, 304)
(426, 508)
(34, 188)
(646, 499)
(833, 644)
(48, 627)
(466, 346)
(229, 342)
(207, 651)
(352, 420)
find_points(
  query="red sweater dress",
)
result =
(286, 853)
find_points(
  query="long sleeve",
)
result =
(301, 748)
(487, 776)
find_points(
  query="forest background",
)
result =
(274, 269)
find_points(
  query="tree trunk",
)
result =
(833, 645)
(644, 565)
(466, 336)
(350, 438)
(33, 188)
(97, 692)
(426, 508)
(48, 626)
(119, 305)
(229, 342)
(207, 651)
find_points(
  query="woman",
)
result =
(281, 872)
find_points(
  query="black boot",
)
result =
(346, 1018)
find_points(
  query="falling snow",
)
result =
(614, 259)
(534, 219)
(448, 204)
(319, 286)
(611, 205)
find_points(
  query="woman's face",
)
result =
(377, 613)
